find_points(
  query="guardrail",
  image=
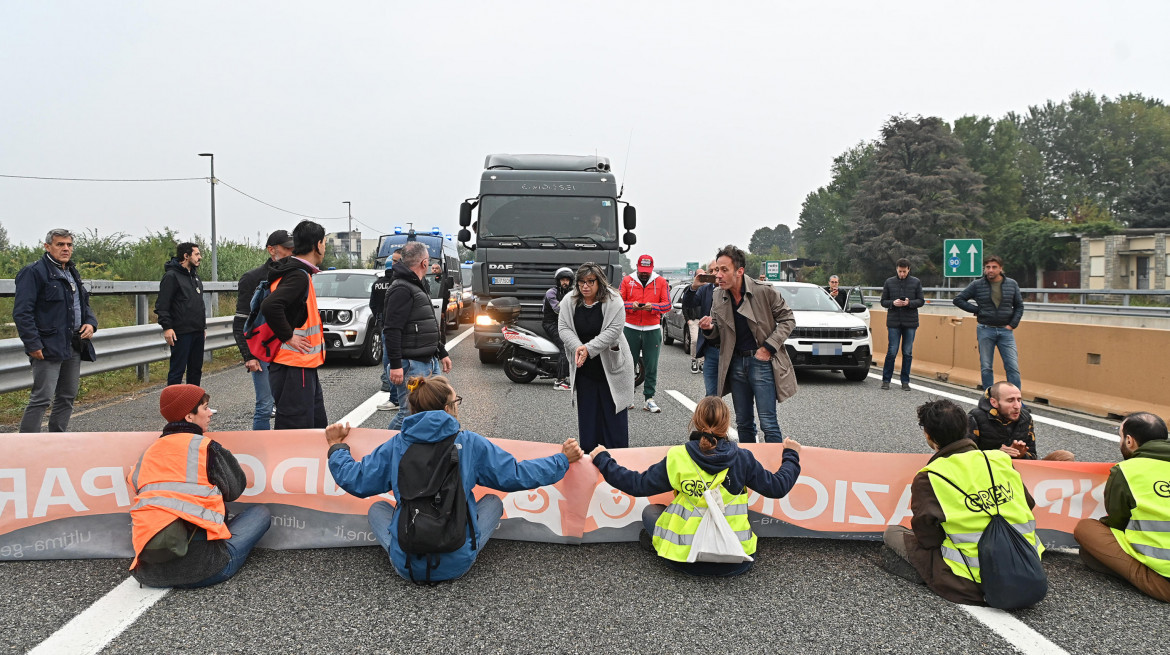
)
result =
(1110, 302)
(121, 347)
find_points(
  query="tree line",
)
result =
(1030, 185)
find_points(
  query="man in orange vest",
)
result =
(291, 311)
(182, 533)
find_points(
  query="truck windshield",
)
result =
(562, 217)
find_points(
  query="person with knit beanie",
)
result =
(182, 532)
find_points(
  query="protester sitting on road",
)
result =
(941, 547)
(708, 453)
(550, 312)
(182, 533)
(1131, 541)
(1001, 422)
(480, 462)
(591, 321)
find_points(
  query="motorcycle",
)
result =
(527, 355)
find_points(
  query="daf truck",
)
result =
(533, 215)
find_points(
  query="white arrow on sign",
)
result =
(973, 251)
(954, 256)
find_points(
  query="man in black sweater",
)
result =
(181, 314)
(901, 296)
(280, 245)
(998, 307)
(411, 333)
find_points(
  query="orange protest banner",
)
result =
(65, 496)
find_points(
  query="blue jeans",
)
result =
(719, 569)
(711, 370)
(488, 512)
(410, 368)
(989, 338)
(906, 336)
(262, 416)
(386, 375)
(752, 383)
(247, 528)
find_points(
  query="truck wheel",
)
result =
(372, 352)
(487, 356)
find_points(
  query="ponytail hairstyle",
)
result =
(429, 393)
(710, 423)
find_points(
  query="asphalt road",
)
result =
(804, 595)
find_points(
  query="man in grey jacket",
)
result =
(749, 321)
(998, 307)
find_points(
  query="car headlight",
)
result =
(344, 316)
(859, 332)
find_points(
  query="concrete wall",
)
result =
(1099, 369)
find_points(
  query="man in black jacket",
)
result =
(835, 290)
(998, 307)
(901, 296)
(279, 246)
(53, 319)
(1001, 422)
(377, 305)
(181, 314)
(411, 333)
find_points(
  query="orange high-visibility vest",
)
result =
(170, 481)
(311, 330)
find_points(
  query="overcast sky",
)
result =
(731, 112)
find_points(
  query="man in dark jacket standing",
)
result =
(901, 296)
(698, 297)
(377, 305)
(52, 316)
(998, 307)
(279, 246)
(411, 333)
(291, 312)
(182, 315)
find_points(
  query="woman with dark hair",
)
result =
(434, 418)
(601, 375)
(709, 459)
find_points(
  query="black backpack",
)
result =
(432, 506)
(1011, 574)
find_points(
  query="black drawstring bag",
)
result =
(1011, 574)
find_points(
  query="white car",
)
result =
(826, 337)
(343, 300)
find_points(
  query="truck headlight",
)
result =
(484, 319)
(344, 316)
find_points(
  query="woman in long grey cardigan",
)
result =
(590, 325)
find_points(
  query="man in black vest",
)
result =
(410, 331)
(901, 296)
(377, 304)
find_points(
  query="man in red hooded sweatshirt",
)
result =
(647, 298)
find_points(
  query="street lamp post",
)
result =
(214, 250)
(349, 235)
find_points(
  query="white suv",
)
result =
(826, 337)
(343, 299)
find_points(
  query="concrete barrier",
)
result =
(1102, 370)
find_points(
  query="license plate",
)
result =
(823, 349)
(503, 280)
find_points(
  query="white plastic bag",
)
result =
(715, 541)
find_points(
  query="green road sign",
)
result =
(692, 268)
(962, 257)
(772, 271)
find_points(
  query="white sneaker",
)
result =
(651, 406)
(561, 385)
(387, 406)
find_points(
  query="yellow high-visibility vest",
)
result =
(675, 530)
(1147, 535)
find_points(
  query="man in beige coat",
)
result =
(749, 322)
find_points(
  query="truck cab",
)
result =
(533, 215)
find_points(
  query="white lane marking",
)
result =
(1017, 633)
(107, 618)
(369, 406)
(691, 405)
(100, 623)
(1072, 427)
